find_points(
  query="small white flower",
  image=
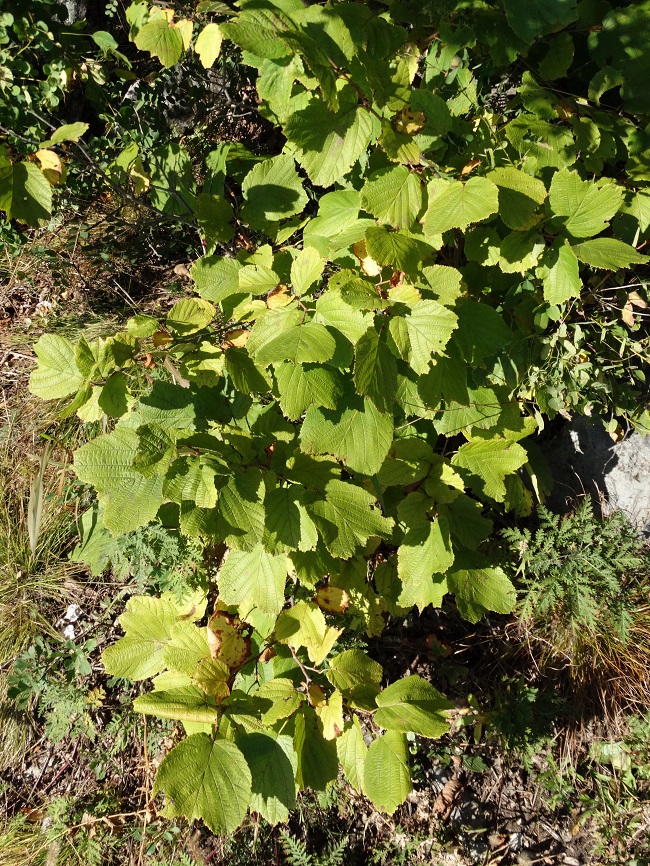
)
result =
(68, 632)
(72, 613)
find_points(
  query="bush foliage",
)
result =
(445, 253)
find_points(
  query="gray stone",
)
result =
(585, 459)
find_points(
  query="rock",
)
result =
(585, 459)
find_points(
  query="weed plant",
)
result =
(583, 598)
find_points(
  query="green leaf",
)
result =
(208, 44)
(429, 326)
(395, 249)
(356, 675)
(113, 400)
(489, 461)
(56, 374)
(25, 193)
(253, 576)
(459, 204)
(287, 519)
(539, 17)
(241, 509)
(412, 704)
(328, 144)
(273, 191)
(558, 58)
(162, 40)
(393, 196)
(208, 779)
(216, 278)
(190, 315)
(585, 207)
(306, 269)
(187, 704)
(301, 344)
(273, 765)
(423, 558)
(352, 752)
(129, 499)
(520, 196)
(347, 518)
(386, 777)
(478, 590)
(67, 132)
(301, 387)
(259, 31)
(213, 214)
(244, 373)
(333, 311)
(608, 253)
(149, 623)
(375, 370)
(304, 625)
(560, 274)
(317, 759)
(359, 435)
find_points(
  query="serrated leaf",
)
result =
(162, 40)
(56, 374)
(330, 713)
(358, 434)
(459, 204)
(245, 375)
(67, 132)
(332, 310)
(25, 193)
(273, 764)
(301, 344)
(395, 249)
(429, 326)
(375, 370)
(412, 704)
(520, 196)
(254, 575)
(129, 499)
(585, 208)
(328, 144)
(386, 777)
(208, 779)
(148, 623)
(489, 461)
(393, 196)
(480, 589)
(300, 387)
(241, 509)
(317, 759)
(539, 17)
(287, 519)
(357, 676)
(284, 697)
(304, 625)
(306, 269)
(216, 278)
(608, 253)
(188, 704)
(423, 558)
(560, 275)
(211, 676)
(352, 751)
(208, 44)
(273, 191)
(347, 518)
